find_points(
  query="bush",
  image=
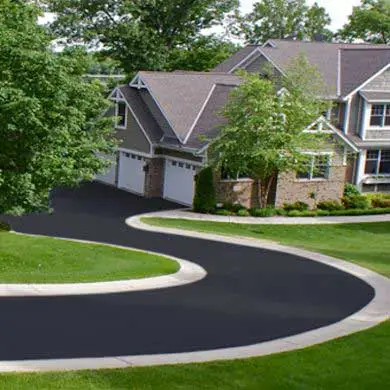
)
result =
(380, 203)
(224, 212)
(266, 212)
(281, 212)
(330, 205)
(298, 206)
(356, 202)
(323, 213)
(204, 199)
(350, 190)
(243, 213)
(4, 227)
(234, 208)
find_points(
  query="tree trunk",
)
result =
(265, 188)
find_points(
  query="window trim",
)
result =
(383, 126)
(378, 163)
(117, 101)
(312, 163)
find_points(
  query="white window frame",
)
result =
(378, 163)
(386, 106)
(313, 155)
(117, 97)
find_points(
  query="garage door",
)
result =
(109, 176)
(179, 181)
(131, 172)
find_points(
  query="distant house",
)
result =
(165, 119)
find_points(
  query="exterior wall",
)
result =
(355, 114)
(154, 178)
(241, 191)
(178, 154)
(132, 137)
(378, 134)
(380, 83)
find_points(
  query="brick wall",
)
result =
(154, 178)
(241, 191)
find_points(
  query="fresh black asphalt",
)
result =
(249, 295)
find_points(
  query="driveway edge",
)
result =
(377, 311)
(188, 273)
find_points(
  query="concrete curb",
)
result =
(188, 273)
(187, 215)
(377, 311)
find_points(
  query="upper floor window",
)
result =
(317, 168)
(121, 114)
(380, 115)
(378, 162)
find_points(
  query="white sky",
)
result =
(339, 10)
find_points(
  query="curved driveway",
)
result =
(249, 295)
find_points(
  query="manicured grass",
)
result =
(366, 244)
(25, 259)
(357, 362)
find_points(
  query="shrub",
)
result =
(204, 199)
(224, 212)
(234, 208)
(294, 213)
(298, 206)
(350, 190)
(380, 203)
(356, 202)
(4, 226)
(330, 205)
(281, 212)
(323, 213)
(266, 212)
(243, 213)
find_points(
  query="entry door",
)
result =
(179, 182)
(131, 172)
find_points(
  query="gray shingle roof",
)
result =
(325, 56)
(181, 96)
(211, 119)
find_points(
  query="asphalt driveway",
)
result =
(249, 295)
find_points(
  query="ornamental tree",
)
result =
(50, 118)
(264, 134)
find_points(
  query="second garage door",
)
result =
(131, 172)
(179, 181)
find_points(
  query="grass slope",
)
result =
(366, 244)
(25, 259)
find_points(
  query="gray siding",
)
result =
(133, 137)
(259, 65)
(378, 134)
(355, 115)
(178, 154)
(380, 83)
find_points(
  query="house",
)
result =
(166, 120)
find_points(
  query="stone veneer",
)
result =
(241, 191)
(154, 178)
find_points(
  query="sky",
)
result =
(339, 10)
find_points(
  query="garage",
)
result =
(108, 177)
(131, 172)
(179, 181)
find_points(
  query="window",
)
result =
(316, 168)
(378, 162)
(121, 114)
(380, 115)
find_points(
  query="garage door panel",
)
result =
(131, 172)
(179, 183)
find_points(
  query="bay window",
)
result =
(380, 115)
(378, 162)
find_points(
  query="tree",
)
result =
(264, 132)
(203, 54)
(49, 117)
(281, 19)
(204, 199)
(370, 22)
(138, 33)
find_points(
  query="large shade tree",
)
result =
(141, 34)
(49, 117)
(369, 22)
(264, 134)
(281, 19)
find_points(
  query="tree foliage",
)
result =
(370, 22)
(204, 199)
(281, 19)
(138, 33)
(49, 126)
(264, 132)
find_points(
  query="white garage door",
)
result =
(131, 172)
(179, 182)
(109, 176)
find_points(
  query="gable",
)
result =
(379, 83)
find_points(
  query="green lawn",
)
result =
(366, 244)
(25, 259)
(357, 362)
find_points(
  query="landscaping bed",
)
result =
(25, 259)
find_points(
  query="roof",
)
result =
(182, 95)
(375, 96)
(211, 119)
(368, 144)
(325, 56)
